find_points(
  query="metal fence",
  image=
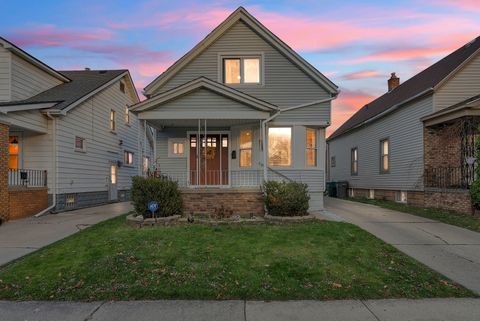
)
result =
(27, 177)
(450, 177)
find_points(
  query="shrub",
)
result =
(159, 189)
(286, 198)
(475, 188)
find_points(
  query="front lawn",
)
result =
(466, 221)
(324, 260)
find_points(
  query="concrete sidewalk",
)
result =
(375, 310)
(448, 249)
(20, 237)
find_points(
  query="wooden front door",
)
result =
(209, 160)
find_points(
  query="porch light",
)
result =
(14, 141)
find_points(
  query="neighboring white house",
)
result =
(241, 107)
(70, 131)
(415, 143)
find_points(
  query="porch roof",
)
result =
(468, 107)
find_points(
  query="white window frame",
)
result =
(371, 194)
(127, 116)
(401, 197)
(84, 144)
(241, 56)
(354, 172)
(292, 139)
(240, 149)
(112, 122)
(172, 141)
(125, 153)
(382, 155)
(315, 147)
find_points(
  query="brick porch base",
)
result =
(27, 202)
(244, 202)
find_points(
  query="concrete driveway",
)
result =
(20, 237)
(450, 250)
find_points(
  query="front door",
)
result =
(112, 190)
(209, 160)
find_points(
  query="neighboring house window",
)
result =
(246, 148)
(311, 152)
(333, 161)
(146, 163)
(13, 142)
(122, 87)
(128, 158)
(401, 197)
(384, 156)
(112, 120)
(280, 146)
(80, 144)
(176, 146)
(127, 115)
(354, 161)
(241, 70)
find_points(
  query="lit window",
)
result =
(146, 163)
(225, 141)
(311, 153)
(122, 87)
(127, 115)
(112, 120)
(401, 197)
(246, 148)
(128, 158)
(384, 156)
(113, 174)
(280, 146)
(13, 152)
(241, 70)
(193, 141)
(80, 144)
(354, 161)
(176, 146)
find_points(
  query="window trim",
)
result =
(84, 144)
(241, 56)
(352, 172)
(240, 149)
(123, 87)
(292, 138)
(127, 116)
(172, 141)
(315, 148)
(125, 153)
(382, 170)
(333, 161)
(113, 122)
(147, 159)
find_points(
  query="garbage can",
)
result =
(342, 189)
(332, 189)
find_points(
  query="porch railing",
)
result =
(27, 177)
(449, 177)
(234, 178)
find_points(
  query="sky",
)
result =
(355, 44)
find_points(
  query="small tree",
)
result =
(475, 188)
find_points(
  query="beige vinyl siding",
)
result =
(5, 92)
(32, 120)
(171, 165)
(404, 130)
(38, 153)
(462, 85)
(284, 84)
(28, 80)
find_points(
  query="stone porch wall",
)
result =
(243, 202)
(4, 196)
(25, 202)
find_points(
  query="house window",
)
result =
(241, 70)
(122, 87)
(351, 192)
(401, 197)
(127, 115)
(333, 161)
(246, 137)
(211, 141)
(311, 152)
(280, 146)
(225, 141)
(176, 146)
(371, 194)
(384, 156)
(13, 142)
(70, 200)
(354, 161)
(80, 145)
(128, 158)
(112, 120)
(146, 163)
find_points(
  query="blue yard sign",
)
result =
(153, 207)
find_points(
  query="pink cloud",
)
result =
(361, 75)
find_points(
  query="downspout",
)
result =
(279, 111)
(54, 169)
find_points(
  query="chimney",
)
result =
(86, 68)
(393, 82)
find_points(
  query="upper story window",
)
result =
(384, 156)
(112, 120)
(354, 161)
(280, 146)
(246, 148)
(311, 147)
(128, 158)
(242, 70)
(127, 116)
(122, 87)
(80, 145)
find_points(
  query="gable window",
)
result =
(122, 87)
(333, 161)
(112, 120)
(384, 156)
(80, 145)
(280, 146)
(128, 158)
(311, 146)
(354, 161)
(127, 115)
(176, 146)
(241, 70)
(246, 148)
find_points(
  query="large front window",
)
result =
(246, 148)
(280, 146)
(242, 70)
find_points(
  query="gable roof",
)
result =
(243, 15)
(83, 84)
(34, 61)
(422, 83)
(203, 82)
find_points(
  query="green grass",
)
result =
(466, 221)
(324, 260)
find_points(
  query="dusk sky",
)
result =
(356, 45)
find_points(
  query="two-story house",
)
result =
(415, 143)
(240, 108)
(67, 138)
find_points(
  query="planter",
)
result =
(139, 221)
(289, 219)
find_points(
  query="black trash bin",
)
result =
(342, 189)
(332, 189)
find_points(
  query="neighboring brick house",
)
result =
(67, 139)
(415, 143)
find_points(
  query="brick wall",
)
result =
(413, 197)
(27, 202)
(241, 202)
(441, 148)
(4, 204)
(454, 200)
